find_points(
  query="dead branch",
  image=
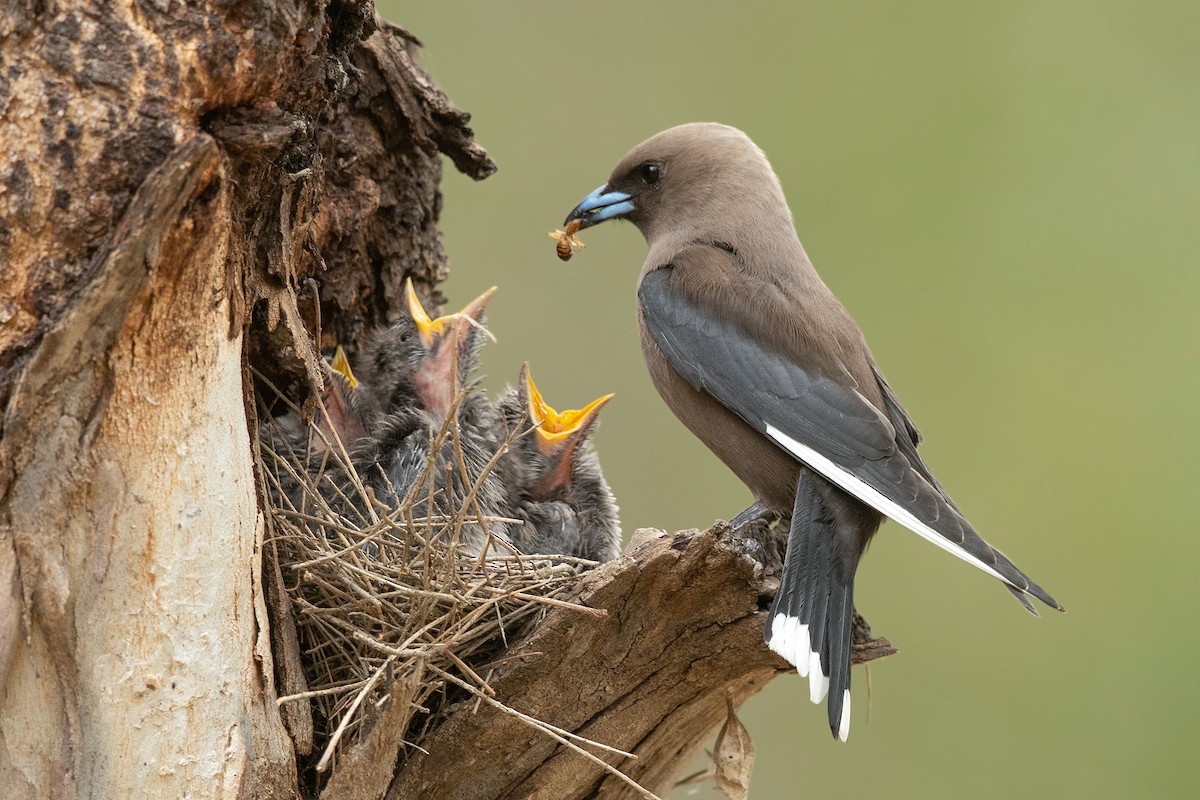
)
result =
(682, 633)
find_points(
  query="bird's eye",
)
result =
(649, 173)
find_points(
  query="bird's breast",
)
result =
(769, 472)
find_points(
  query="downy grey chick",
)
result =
(553, 479)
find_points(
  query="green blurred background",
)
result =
(1007, 198)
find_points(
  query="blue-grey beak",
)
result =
(599, 206)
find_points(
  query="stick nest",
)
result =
(384, 597)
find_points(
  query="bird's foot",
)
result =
(752, 515)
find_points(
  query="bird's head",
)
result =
(347, 408)
(702, 176)
(556, 439)
(424, 360)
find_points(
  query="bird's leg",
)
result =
(755, 513)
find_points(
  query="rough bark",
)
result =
(173, 177)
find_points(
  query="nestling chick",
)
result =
(553, 480)
(412, 373)
(315, 453)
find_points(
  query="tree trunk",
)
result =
(167, 192)
(192, 194)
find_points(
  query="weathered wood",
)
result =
(171, 180)
(682, 637)
(127, 471)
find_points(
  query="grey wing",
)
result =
(830, 428)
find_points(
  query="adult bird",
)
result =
(755, 355)
(554, 483)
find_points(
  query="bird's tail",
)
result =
(811, 620)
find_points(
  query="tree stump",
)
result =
(192, 194)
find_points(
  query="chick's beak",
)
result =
(432, 330)
(556, 428)
(437, 378)
(341, 365)
(474, 309)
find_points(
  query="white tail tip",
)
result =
(818, 683)
(790, 639)
(800, 659)
(844, 725)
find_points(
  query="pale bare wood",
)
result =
(129, 468)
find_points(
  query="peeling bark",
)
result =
(127, 468)
(172, 180)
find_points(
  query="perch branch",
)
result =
(681, 633)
